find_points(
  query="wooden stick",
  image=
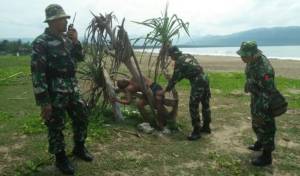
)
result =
(16, 74)
(17, 98)
(128, 132)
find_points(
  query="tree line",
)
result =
(15, 47)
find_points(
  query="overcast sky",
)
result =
(24, 18)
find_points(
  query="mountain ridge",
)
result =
(264, 36)
(274, 36)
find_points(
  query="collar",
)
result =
(256, 62)
(48, 31)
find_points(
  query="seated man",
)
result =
(130, 87)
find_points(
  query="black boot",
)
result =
(263, 160)
(205, 128)
(63, 164)
(255, 147)
(195, 134)
(81, 152)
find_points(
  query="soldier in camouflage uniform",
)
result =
(186, 66)
(260, 83)
(53, 66)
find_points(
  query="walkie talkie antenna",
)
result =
(74, 18)
(72, 24)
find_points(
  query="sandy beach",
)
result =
(285, 68)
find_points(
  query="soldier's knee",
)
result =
(80, 108)
(193, 102)
(56, 122)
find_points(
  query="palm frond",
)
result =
(163, 31)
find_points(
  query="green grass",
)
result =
(229, 82)
(23, 143)
(12, 65)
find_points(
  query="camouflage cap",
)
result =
(174, 50)
(248, 49)
(55, 11)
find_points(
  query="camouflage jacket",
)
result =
(260, 77)
(186, 66)
(53, 65)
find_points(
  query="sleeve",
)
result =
(251, 86)
(38, 73)
(266, 80)
(177, 76)
(77, 52)
(266, 85)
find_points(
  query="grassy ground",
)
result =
(23, 144)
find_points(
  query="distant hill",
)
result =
(264, 36)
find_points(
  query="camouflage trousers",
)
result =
(200, 93)
(262, 123)
(76, 109)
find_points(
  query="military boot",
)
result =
(195, 134)
(205, 128)
(263, 160)
(81, 152)
(206, 121)
(256, 146)
(63, 164)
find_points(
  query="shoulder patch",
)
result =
(266, 77)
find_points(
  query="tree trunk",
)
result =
(112, 95)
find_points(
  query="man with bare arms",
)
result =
(130, 87)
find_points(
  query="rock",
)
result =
(166, 130)
(293, 112)
(237, 93)
(145, 128)
(294, 91)
(216, 91)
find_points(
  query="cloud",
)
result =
(25, 18)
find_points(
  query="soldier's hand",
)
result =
(46, 113)
(73, 35)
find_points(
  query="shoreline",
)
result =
(236, 56)
(275, 52)
(285, 68)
